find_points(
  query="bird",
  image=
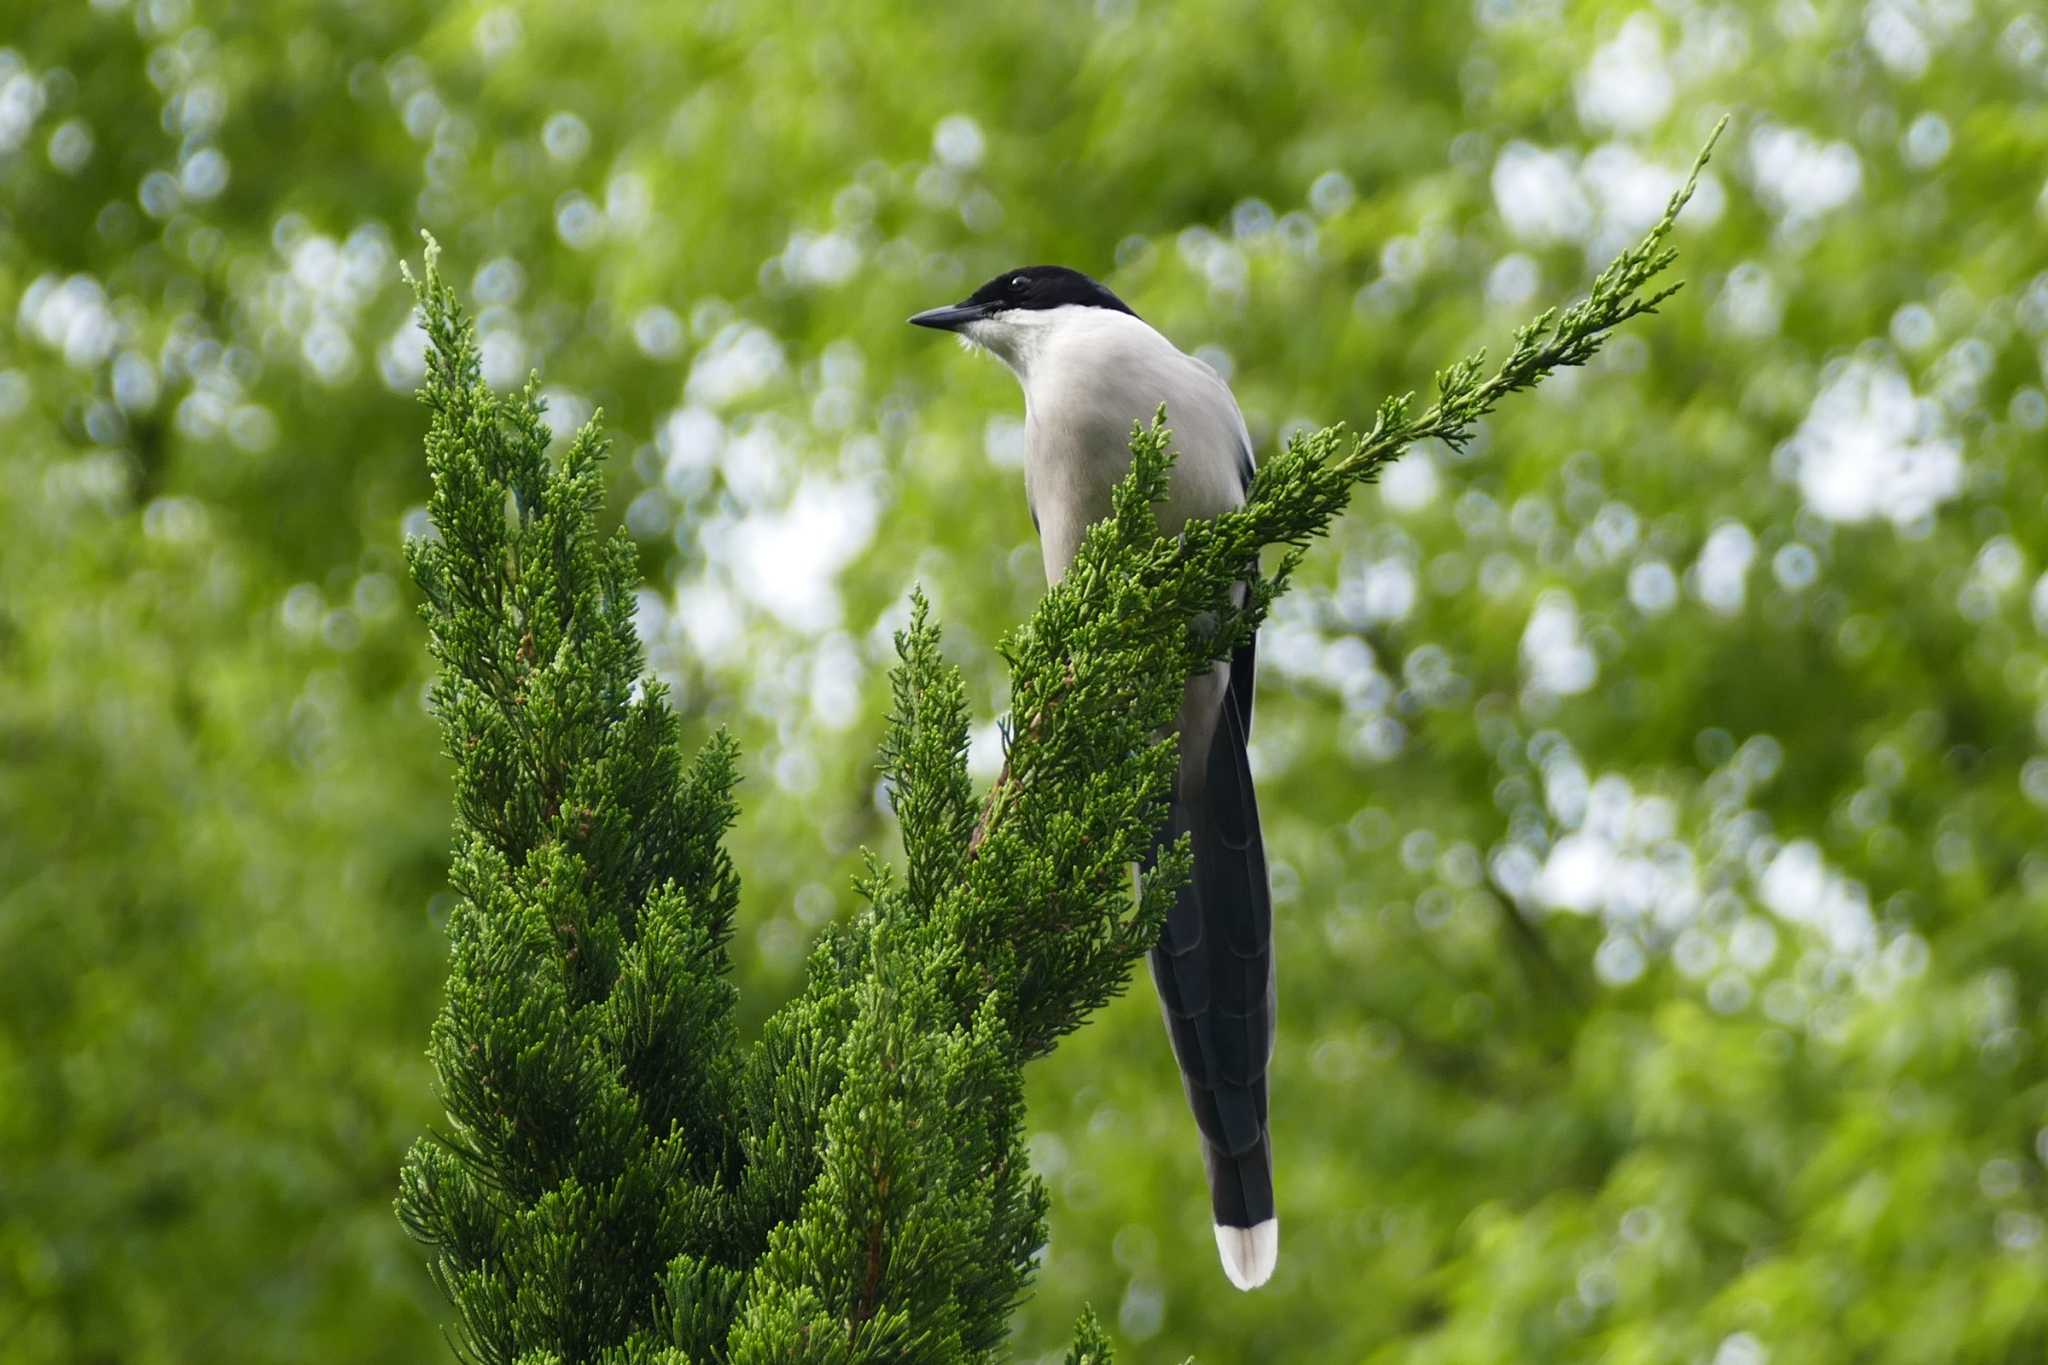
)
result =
(1090, 367)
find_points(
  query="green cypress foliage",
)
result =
(619, 1181)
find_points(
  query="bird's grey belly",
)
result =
(1076, 456)
(1077, 448)
(1069, 485)
(1071, 471)
(1201, 707)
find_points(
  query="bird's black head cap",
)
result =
(1033, 286)
(1046, 286)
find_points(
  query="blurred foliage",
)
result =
(1655, 788)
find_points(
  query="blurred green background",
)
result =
(1656, 790)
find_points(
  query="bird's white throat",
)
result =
(1022, 338)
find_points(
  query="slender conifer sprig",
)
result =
(1550, 342)
(619, 1180)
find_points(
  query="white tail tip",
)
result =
(1249, 1254)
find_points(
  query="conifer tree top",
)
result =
(619, 1179)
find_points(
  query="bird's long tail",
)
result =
(1213, 966)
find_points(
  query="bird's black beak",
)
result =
(950, 319)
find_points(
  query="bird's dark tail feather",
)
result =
(1213, 966)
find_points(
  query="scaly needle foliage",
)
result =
(619, 1179)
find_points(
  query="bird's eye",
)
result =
(1017, 284)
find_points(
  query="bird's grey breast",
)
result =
(1082, 398)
